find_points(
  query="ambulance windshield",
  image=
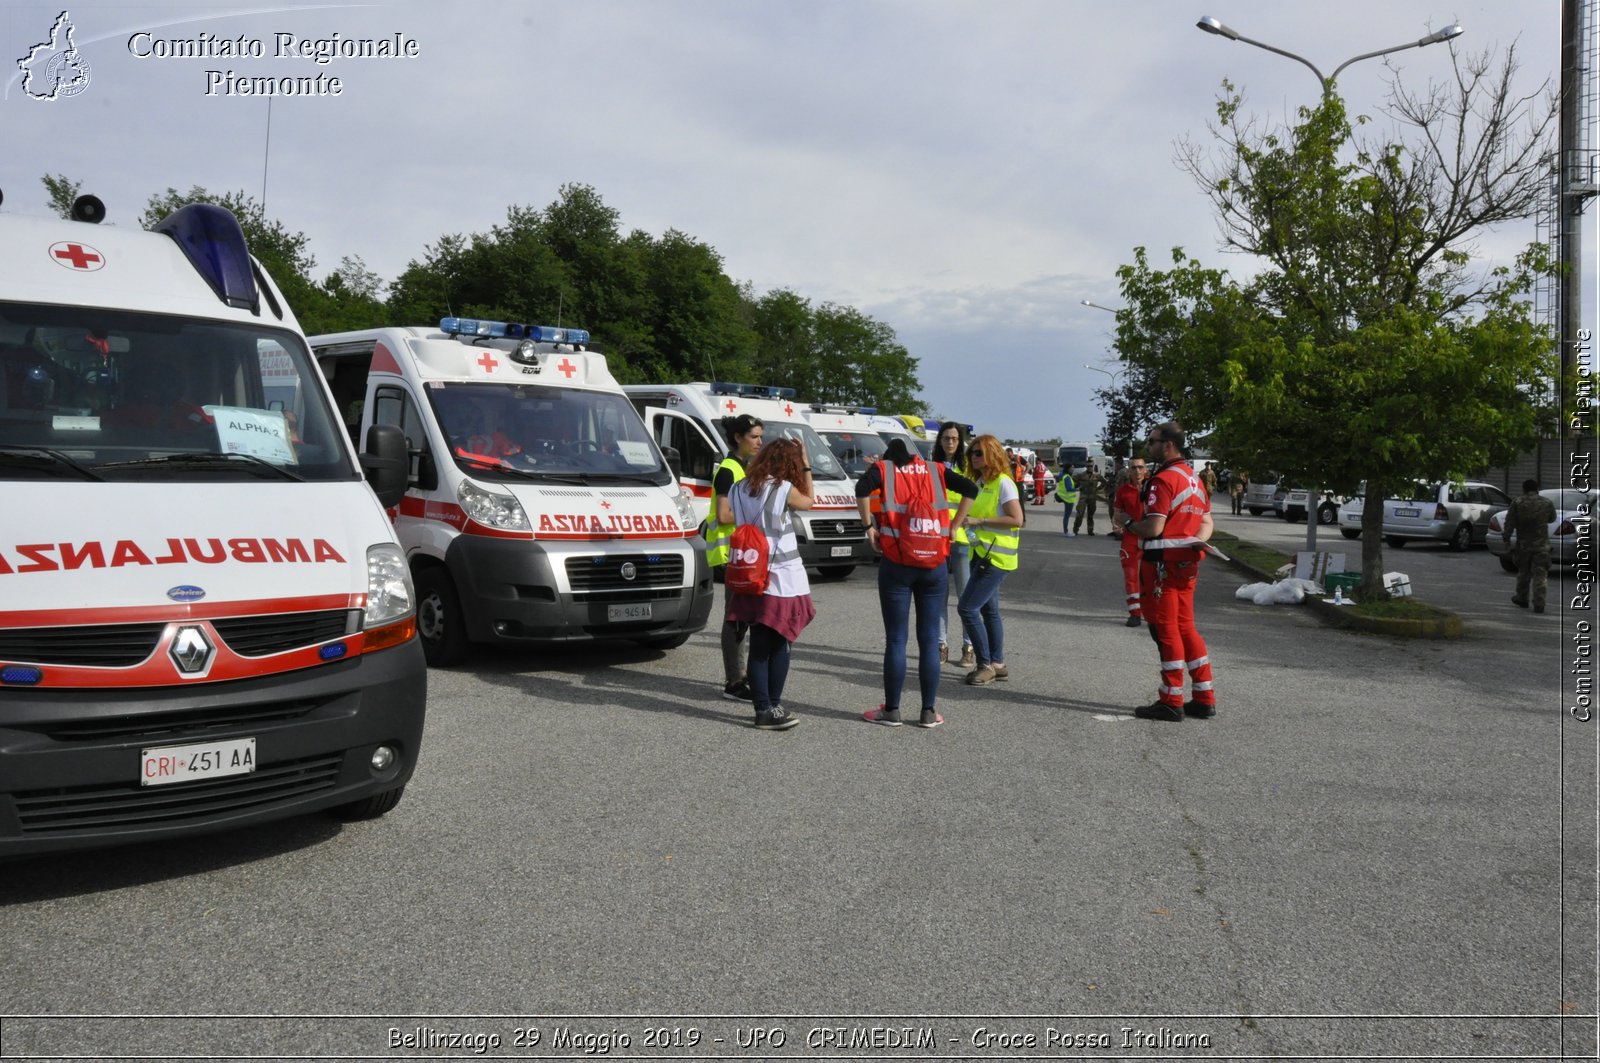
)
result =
(856, 451)
(534, 431)
(823, 464)
(101, 394)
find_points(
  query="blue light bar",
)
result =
(546, 334)
(215, 246)
(20, 675)
(753, 391)
(496, 330)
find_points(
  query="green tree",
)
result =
(62, 192)
(1366, 345)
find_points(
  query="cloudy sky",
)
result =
(966, 172)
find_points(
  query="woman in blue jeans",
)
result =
(900, 585)
(994, 523)
(951, 452)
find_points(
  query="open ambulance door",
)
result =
(697, 453)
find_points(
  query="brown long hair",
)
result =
(781, 459)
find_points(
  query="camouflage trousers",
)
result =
(1533, 572)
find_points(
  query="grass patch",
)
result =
(1399, 609)
(1264, 558)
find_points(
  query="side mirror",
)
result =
(427, 471)
(674, 461)
(386, 463)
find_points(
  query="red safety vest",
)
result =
(914, 524)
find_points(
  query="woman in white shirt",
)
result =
(777, 481)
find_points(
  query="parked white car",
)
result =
(1457, 514)
(1290, 504)
(1350, 514)
(1573, 528)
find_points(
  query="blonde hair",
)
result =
(987, 458)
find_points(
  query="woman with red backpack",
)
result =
(766, 581)
(913, 535)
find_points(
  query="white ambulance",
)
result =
(690, 419)
(850, 434)
(539, 510)
(205, 619)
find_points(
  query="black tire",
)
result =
(1507, 563)
(834, 573)
(440, 624)
(1350, 533)
(665, 642)
(368, 807)
(1394, 541)
(1328, 514)
(1255, 511)
(1461, 540)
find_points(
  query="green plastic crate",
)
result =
(1347, 580)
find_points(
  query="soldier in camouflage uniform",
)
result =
(1530, 516)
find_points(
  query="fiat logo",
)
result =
(191, 651)
(629, 570)
(838, 529)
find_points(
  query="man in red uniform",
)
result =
(1173, 530)
(1126, 507)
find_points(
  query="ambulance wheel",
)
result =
(665, 642)
(368, 807)
(834, 572)
(440, 624)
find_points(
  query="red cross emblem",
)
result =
(76, 256)
(605, 505)
(567, 368)
(788, 410)
(731, 405)
(488, 361)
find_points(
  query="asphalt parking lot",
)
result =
(1378, 847)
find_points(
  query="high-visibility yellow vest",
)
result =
(953, 497)
(1066, 487)
(720, 538)
(999, 545)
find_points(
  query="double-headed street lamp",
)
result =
(1221, 29)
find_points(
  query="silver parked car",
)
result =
(1258, 495)
(1572, 529)
(1457, 514)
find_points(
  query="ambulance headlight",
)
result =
(686, 516)
(390, 595)
(492, 509)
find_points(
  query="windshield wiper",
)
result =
(15, 453)
(208, 461)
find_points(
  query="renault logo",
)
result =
(629, 570)
(191, 651)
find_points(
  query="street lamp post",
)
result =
(1097, 306)
(1107, 372)
(1221, 29)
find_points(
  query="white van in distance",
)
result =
(690, 418)
(538, 508)
(205, 619)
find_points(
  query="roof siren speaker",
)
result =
(89, 209)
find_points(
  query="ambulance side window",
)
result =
(393, 405)
(699, 460)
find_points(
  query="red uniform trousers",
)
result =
(1131, 581)
(1168, 598)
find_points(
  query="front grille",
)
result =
(825, 528)
(95, 646)
(131, 806)
(604, 572)
(257, 636)
(157, 726)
